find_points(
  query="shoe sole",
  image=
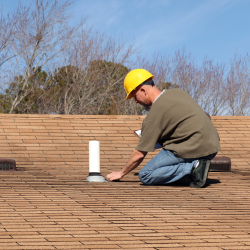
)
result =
(202, 183)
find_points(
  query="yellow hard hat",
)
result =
(134, 78)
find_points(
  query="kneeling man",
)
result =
(188, 138)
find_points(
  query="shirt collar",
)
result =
(159, 95)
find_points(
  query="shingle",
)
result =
(49, 204)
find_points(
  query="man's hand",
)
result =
(114, 176)
(135, 159)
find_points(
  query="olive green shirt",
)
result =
(180, 125)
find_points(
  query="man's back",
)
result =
(178, 123)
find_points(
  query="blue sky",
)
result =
(212, 28)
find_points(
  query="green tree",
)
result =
(32, 103)
(108, 78)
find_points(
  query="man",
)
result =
(188, 138)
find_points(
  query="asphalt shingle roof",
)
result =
(48, 204)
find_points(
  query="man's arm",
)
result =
(135, 159)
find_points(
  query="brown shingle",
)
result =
(48, 204)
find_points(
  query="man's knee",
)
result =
(144, 178)
(149, 178)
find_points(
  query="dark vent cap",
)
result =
(220, 164)
(7, 164)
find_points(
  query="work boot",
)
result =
(199, 174)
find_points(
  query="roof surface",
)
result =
(48, 204)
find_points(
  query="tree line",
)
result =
(48, 66)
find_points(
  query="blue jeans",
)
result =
(166, 168)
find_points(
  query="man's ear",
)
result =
(143, 89)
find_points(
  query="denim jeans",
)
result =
(166, 168)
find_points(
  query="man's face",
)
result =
(140, 96)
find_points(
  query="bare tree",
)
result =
(10, 28)
(159, 66)
(55, 68)
(205, 83)
(94, 75)
(43, 33)
(238, 86)
(212, 96)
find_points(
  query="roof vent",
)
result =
(7, 164)
(220, 164)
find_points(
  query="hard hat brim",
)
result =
(129, 96)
